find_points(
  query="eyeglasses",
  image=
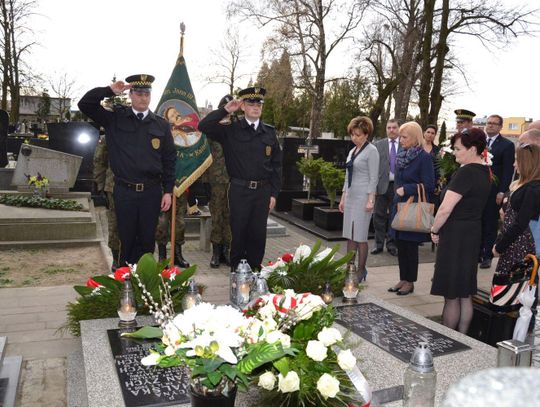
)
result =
(526, 146)
(493, 124)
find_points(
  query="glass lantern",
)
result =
(327, 294)
(350, 286)
(244, 280)
(127, 309)
(192, 296)
(260, 287)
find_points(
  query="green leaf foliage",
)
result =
(260, 354)
(310, 167)
(146, 332)
(310, 276)
(103, 302)
(332, 179)
(31, 201)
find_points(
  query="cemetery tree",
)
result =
(228, 59)
(63, 87)
(16, 40)
(44, 106)
(310, 30)
(489, 21)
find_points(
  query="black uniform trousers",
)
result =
(248, 216)
(381, 218)
(137, 217)
(408, 260)
(490, 225)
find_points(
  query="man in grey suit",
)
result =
(388, 149)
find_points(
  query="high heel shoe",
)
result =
(397, 287)
(406, 292)
(363, 275)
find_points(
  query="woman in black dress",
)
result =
(457, 229)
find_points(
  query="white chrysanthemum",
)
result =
(328, 386)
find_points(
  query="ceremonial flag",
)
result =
(178, 106)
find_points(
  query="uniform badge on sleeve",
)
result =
(155, 143)
(268, 151)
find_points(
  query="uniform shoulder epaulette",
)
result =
(269, 125)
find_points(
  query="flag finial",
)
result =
(182, 31)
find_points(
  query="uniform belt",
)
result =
(249, 184)
(137, 187)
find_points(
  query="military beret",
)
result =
(464, 114)
(224, 100)
(253, 94)
(140, 81)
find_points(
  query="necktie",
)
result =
(393, 156)
(253, 126)
(490, 141)
(140, 116)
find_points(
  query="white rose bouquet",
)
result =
(315, 373)
(307, 270)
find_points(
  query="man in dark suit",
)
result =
(503, 151)
(388, 149)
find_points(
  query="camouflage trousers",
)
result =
(219, 209)
(114, 240)
(163, 230)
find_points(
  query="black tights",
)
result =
(362, 249)
(458, 313)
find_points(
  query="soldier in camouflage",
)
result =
(220, 236)
(105, 184)
(163, 234)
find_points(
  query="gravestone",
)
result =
(77, 138)
(146, 385)
(394, 333)
(4, 125)
(60, 168)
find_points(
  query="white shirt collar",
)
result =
(256, 123)
(145, 113)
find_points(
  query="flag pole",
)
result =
(173, 229)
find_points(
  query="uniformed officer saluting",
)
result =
(253, 160)
(142, 157)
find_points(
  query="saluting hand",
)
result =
(233, 105)
(119, 86)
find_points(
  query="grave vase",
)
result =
(199, 399)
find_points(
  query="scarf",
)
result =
(405, 157)
(349, 164)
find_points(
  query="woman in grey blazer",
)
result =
(358, 197)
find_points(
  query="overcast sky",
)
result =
(93, 40)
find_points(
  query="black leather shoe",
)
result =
(162, 251)
(376, 250)
(406, 292)
(486, 264)
(392, 251)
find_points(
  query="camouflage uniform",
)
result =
(105, 182)
(163, 231)
(219, 202)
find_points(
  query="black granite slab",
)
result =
(394, 333)
(3, 390)
(146, 385)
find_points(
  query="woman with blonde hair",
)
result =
(413, 166)
(358, 197)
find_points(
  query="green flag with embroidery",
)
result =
(178, 106)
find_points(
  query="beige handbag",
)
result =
(414, 216)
